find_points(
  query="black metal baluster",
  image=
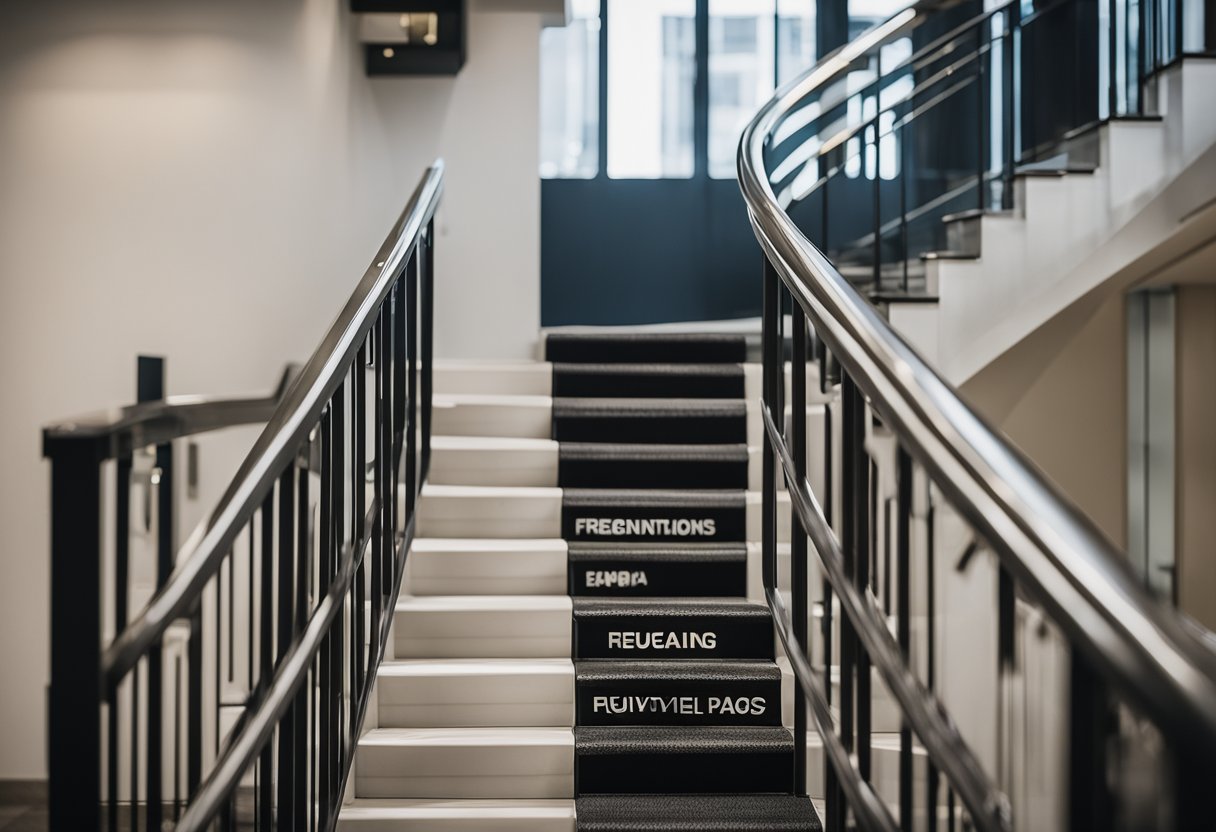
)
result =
(303, 566)
(410, 333)
(359, 501)
(177, 737)
(798, 540)
(219, 641)
(326, 751)
(831, 783)
(265, 785)
(134, 805)
(903, 554)
(286, 637)
(194, 700)
(931, 778)
(377, 543)
(150, 386)
(337, 632)
(427, 330)
(122, 548)
(252, 628)
(862, 502)
(404, 314)
(1090, 805)
(850, 400)
(771, 369)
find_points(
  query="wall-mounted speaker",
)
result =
(412, 37)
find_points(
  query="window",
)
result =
(569, 95)
(741, 73)
(651, 73)
(866, 13)
(652, 114)
(795, 38)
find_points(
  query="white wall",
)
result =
(205, 181)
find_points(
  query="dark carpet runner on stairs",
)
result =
(678, 697)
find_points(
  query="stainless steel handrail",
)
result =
(283, 435)
(1057, 555)
(124, 429)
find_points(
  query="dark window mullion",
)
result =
(700, 107)
(601, 171)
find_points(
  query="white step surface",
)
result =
(482, 414)
(372, 815)
(520, 378)
(480, 511)
(482, 627)
(467, 511)
(493, 460)
(466, 763)
(485, 566)
(467, 693)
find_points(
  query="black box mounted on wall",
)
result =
(412, 37)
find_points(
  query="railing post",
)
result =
(1090, 806)
(798, 541)
(771, 373)
(427, 330)
(74, 712)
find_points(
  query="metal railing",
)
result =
(236, 695)
(936, 122)
(913, 474)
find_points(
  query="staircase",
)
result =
(575, 645)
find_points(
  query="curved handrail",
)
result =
(284, 433)
(122, 430)
(1056, 554)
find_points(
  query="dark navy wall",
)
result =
(628, 251)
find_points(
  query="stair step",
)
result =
(486, 566)
(695, 628)
(593, 465)
(645, 347)
(482, 627)
(369, 815)
(534, 512)
(621, 693)
(467, 693)
(665, 759)
(654, 515)
(465, 414)
(696, 813)
(490, 511)
(519, 378)
(658, 569)
(671, 421)
(691, 381)
(493, 461)
(458, 763)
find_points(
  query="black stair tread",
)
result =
(726, 370)
(672, 739)
(706, 381)
(654, 408)
(633, 347)
(658, 497)
(668, 607)
(658, 552)
(696, 813)
(674, 453)
(590, 671)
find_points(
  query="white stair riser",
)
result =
(518, 378)
(486, 567)
(531, 417)
(487, 628)
(477, 693)
(466, 764)
(531, 513)
(458, 816)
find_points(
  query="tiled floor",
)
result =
(22, 806)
